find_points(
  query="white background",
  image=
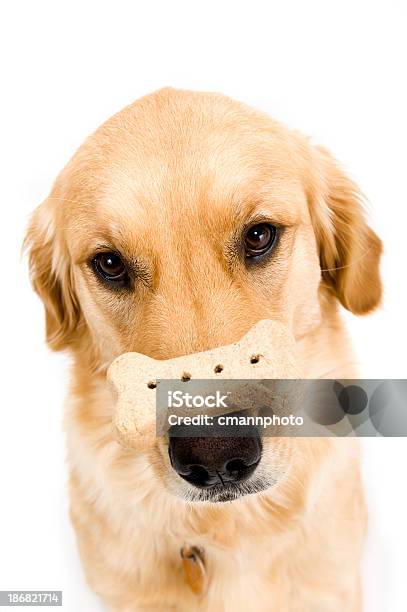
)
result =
(334, 69)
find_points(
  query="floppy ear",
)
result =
(349, 249)
(51, 277)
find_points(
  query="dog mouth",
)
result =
(226, 491)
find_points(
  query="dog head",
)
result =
(187, 218)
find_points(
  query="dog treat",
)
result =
(265, 352)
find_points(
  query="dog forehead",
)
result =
(174, 152)
(172, 129)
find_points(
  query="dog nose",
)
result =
(206, 461)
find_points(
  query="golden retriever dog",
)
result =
(180, 223)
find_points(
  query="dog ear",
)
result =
(51, 277)
(349, 249)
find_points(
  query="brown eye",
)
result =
(110, 267)
(259, 239)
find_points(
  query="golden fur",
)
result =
(168, 182)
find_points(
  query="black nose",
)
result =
(205, 462)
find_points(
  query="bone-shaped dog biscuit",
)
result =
(266, 351)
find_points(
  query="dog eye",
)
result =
(259, 239)
(111, 268)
